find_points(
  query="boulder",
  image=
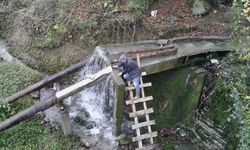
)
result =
(200, 7)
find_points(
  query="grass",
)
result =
(28, 134)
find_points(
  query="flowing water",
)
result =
(91, 110)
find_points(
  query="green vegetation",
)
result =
(239, 87)
(228, 102)
(29, 134)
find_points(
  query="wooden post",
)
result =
(66, 125)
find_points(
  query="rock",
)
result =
(35, 94)
(200, 7)
(120, 137)
(126, 127)
(80, 121)
(85, 143)
(46, 93)
(162, 42)
(90, 125)
(214, 61)
(126, 140)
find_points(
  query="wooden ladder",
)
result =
(146, 123)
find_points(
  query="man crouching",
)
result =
(131, 72)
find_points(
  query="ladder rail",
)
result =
(138, 133)
(144, 103)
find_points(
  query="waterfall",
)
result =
(91, 110)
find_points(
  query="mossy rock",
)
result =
(176, 94)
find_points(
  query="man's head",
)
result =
(123, 58)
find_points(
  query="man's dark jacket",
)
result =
(131, 68)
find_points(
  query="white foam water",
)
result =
(92, 109)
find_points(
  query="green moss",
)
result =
(119, 107)
(176, 94)
(169, 147)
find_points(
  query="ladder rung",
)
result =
(143, 124)
(143, 73)
(141, 86)
(143, 99)
(141, 112)
(144, 136)
(149, 147)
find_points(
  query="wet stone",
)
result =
(126, 127)
(90, 125)
(80, 121)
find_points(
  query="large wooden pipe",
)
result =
(45, 81)
(43, 105)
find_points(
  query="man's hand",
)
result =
(115, 67)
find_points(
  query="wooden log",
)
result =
(41, 106)
(170, 51)
(45, 81)
(144, 136)
(28, 113)
(142, 50)
(66, 124)
(201, 38)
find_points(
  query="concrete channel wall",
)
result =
(187, 46)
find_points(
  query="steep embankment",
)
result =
(50, 34)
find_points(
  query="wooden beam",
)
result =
(144, 136)
(141, 112)
(171, 51)
(167, 52)
(76, 87)
(141, 85)
(143, 124)
(142, 99)
(45, 81)
(142, 50)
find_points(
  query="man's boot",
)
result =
(137, 96)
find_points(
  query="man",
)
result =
(131, 72)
